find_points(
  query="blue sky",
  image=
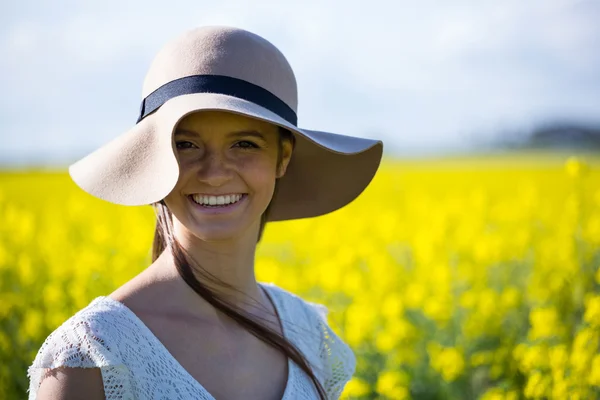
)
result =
(417, 74)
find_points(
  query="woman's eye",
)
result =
(184, 145)
(245, 144)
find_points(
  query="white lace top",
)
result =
(135, 364)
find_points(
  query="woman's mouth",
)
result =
(217, 204)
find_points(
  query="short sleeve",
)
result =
(336, 356)
(321, 311)
(82, 342)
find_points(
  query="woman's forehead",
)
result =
(205, 121)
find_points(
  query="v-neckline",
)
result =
(184, 371)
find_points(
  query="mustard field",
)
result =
(458, 278)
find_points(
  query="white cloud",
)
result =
(417, 72)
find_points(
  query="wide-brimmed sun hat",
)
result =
(226, 69)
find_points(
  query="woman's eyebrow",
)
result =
(251, 133)
(182, 132)
(237, 134)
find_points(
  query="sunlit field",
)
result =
(465, 278)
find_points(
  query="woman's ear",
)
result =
(286, 155)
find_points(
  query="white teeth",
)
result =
(216, 200)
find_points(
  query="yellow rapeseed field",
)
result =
(466, 278)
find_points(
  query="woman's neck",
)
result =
(213, 264)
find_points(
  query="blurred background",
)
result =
(477, 277)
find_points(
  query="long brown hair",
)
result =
(164, 239)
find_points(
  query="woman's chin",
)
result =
(219, 231)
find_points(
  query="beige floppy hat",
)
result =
(227, 69)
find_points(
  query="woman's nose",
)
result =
(214, 169)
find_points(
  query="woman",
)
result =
(217, 152)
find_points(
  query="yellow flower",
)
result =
(545, 323)
(356, 387)
(594, 377)
(397, 331)
(584, 347)
(488, 303)
(559, 357)
(493, 394)
(414, 296)
(479, 252)
(534, 357)
(575, 166)
(392, 384)
(448, 361)
(392, 306)
(53, 295)
(560, 389)
(33, 324)
(359, 323)
(500, 394)
(268, 270)
(538, 386)
(468, 299)
(26, 269)
(592, 311)
(3, 257)
(438, 309)
(510, 298)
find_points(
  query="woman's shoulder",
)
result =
(293, 303)
(92, 328)
(91, 338)
(333, 358)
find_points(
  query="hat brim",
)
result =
(326, 171)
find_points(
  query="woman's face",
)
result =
(230, 160)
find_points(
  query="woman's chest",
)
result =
(227, 362)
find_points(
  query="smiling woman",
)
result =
(217, 153)
(221, 154)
